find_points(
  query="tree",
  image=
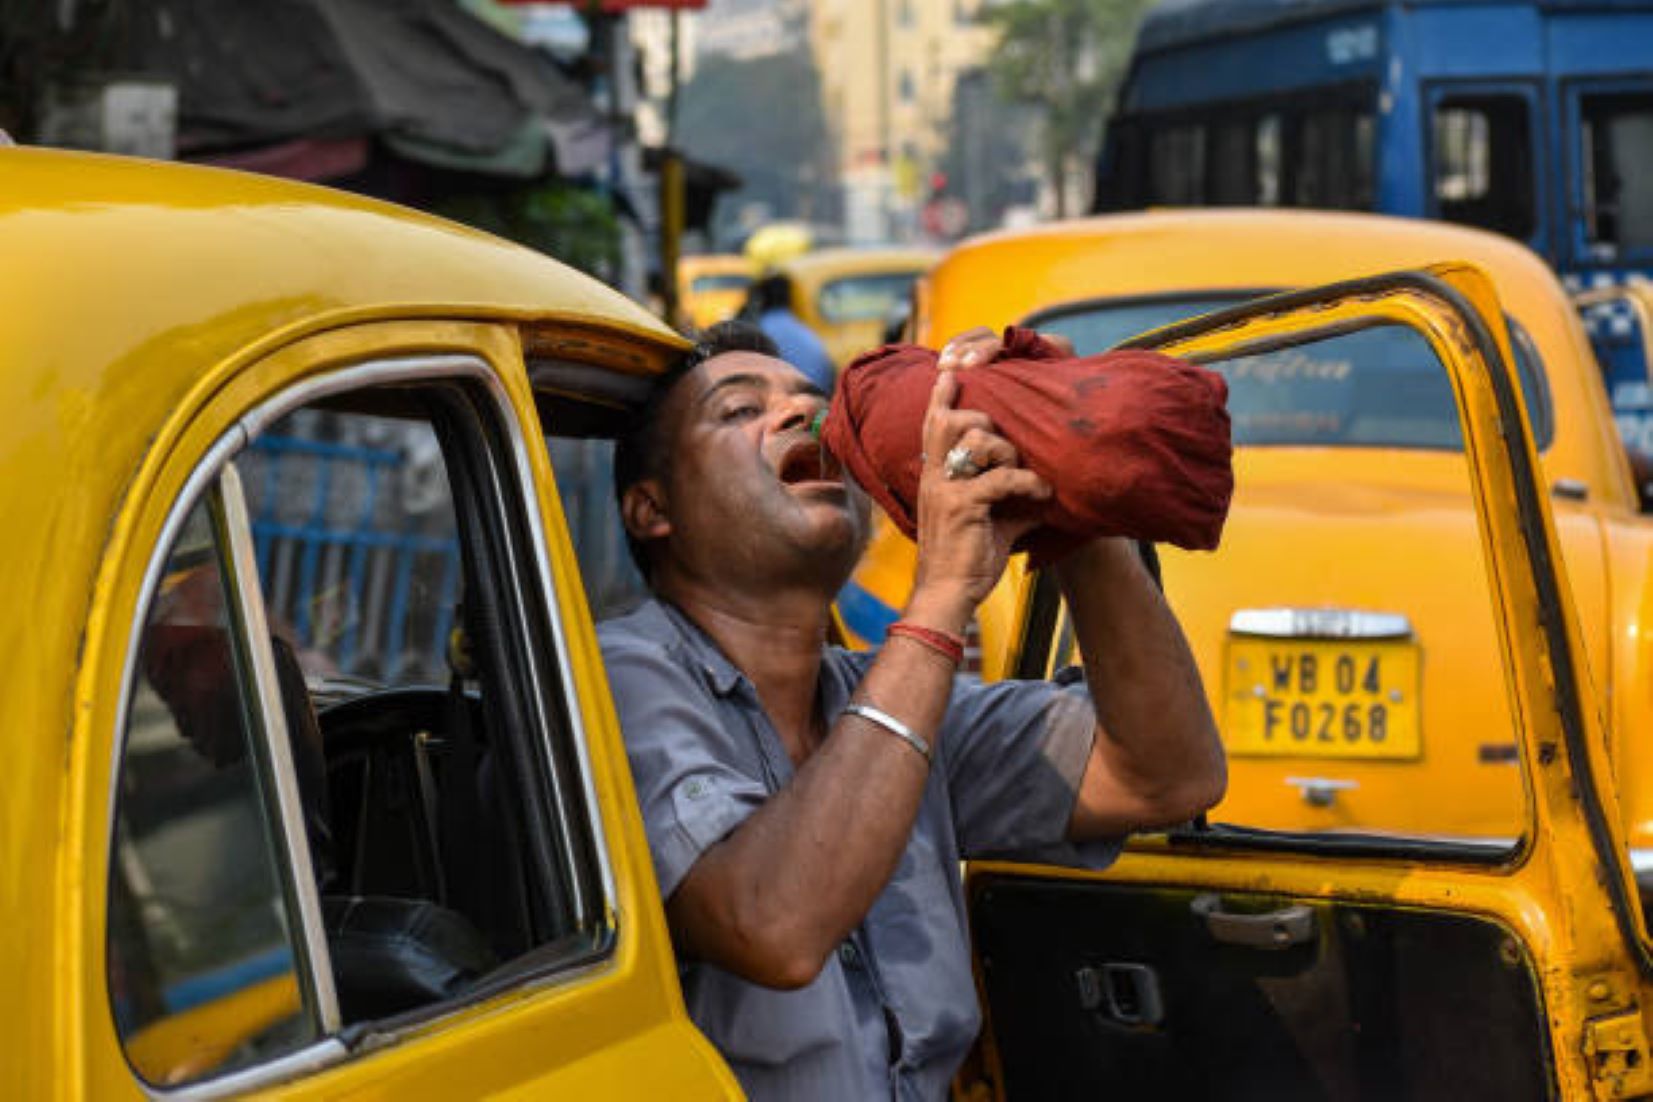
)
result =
(1065, 57)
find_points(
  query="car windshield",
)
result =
(1384, 387)
(733, 281)
(864, 297)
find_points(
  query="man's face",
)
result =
(750, 495)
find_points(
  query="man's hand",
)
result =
(981, 345)
(966, 524)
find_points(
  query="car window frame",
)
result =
(497, 425)
(1563, 662)
(1531, 368)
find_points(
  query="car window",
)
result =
(1344, 628)
(864, 297)
(1385, 388)
(358, 544)
(425, 729)
(585, 483)
(734, 282)
(201, 945)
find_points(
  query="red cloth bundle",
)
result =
(1134, 443)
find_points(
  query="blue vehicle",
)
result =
(1532, 118)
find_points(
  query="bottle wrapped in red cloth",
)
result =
(1134, 443)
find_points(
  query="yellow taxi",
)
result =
(849, 296)
(1233, 960)
(711, 287)
(1342, 629)
(313, 780)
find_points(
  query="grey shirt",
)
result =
(894, 1011)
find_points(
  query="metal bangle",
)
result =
(893, 726)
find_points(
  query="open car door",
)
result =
(1228, 961)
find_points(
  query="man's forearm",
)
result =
(780, 892)
(1157, 758)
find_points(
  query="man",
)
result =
(806, 806)
(769, 305)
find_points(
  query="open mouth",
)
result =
(805, 460)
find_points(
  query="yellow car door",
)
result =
(372, 833)
(1225, 960)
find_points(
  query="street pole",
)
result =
(672, 186)
(887, 161)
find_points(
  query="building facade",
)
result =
(888, 73)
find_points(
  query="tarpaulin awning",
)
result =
(434, 82)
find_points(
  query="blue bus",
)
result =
(1533, 119)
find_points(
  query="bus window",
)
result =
(1483, 163)
(1618, 170)
(1332, 162)
(1233, 173)
(1176, 164)
(1269, 192)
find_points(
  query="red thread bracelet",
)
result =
(943, 643)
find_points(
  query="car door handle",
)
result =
(1281, 929)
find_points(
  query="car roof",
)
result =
(128, 280)
(824, 264)
(707, 263)
(1001, 278)
(133, 288)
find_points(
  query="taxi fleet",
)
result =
(297, 633)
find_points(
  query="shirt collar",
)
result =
(723, 674)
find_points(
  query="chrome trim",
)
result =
(248, 595)
(1319, 623)
(1570, 489)
(1321, 791)
(407, 369)
(194, 487)
(372, 1040)
(565, 671)
(315, 1057)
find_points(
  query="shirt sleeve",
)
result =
(1015, 752)
(681, 753)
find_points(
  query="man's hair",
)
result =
(642, 451)
(770, 292)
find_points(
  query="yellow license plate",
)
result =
(1322, 698)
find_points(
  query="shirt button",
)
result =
(848, 955)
